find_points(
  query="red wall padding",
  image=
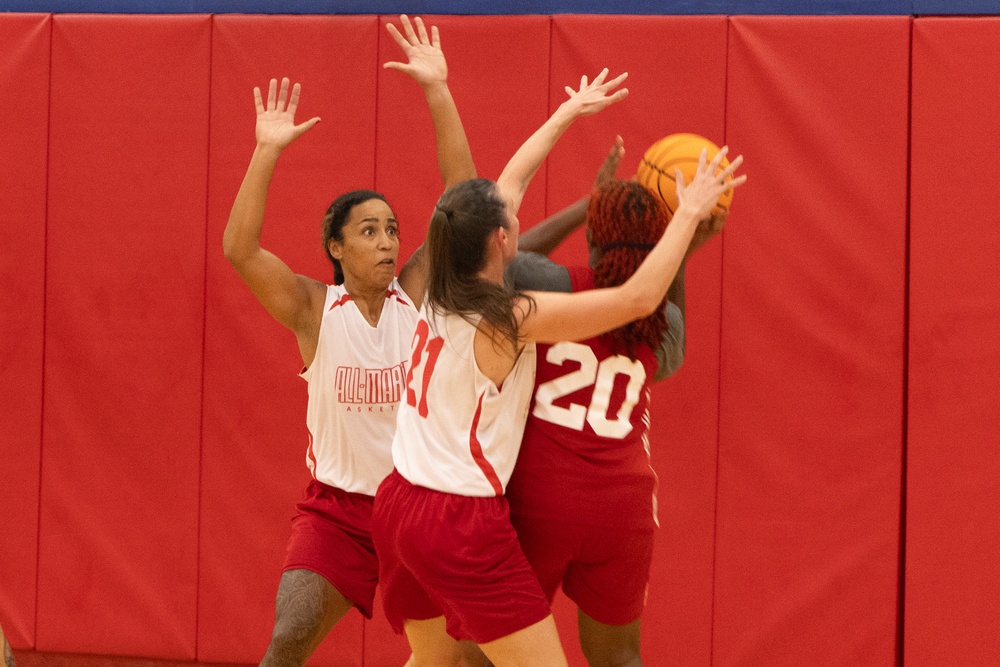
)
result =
(153, 436)
(123, 359)
(667, 93)
(811, 396)
(253, 465)
(24, 78)
(953, 458)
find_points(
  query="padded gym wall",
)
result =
(254, 455)
(158, 517)
(24, 77)
(812, 383)
(123, 337)
(952, 535)
(676, 82)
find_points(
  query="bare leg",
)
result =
(8, 655)
(306, 609)
(609, 645)
(473, 656)
(536, 646)
(432, 646)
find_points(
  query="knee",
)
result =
(436, 660)
(614, 654)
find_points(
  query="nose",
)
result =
(384, 240)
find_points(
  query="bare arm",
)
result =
(427, 66)
(670, 353)
(546, 236)
(582, 315)
(288, 297)
(591, 98)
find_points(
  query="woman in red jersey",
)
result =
(450, 564)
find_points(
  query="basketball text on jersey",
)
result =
(372, 386)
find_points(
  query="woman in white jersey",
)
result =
(451, 567)
(354, 338)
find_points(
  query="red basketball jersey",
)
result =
(585, 452)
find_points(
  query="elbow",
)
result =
(230, 253)
(641, 305)
(233, 253)
(649, 304)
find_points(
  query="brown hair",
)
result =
(626, 220)
(460, 226)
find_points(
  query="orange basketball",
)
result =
(677, 151)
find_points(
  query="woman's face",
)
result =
(369, 250)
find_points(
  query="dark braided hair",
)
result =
(335, 218)
(626, 220)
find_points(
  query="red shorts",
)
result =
(603, 569)
(332, 536)
(456, 556)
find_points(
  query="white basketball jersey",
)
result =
(457, 431)
(356, 381)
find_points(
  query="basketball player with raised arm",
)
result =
(450, 563)
(363, 321)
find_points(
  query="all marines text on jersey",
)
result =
(375, 387)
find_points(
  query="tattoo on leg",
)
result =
(306, 608)
(8, 655)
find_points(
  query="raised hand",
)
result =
(709, 183)
(425, 59)
(609, 168)
(594, 96)
(276, 122)
(707, 228)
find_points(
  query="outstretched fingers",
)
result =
(709, 182)
(272, 94)
(411, 36)
(293, 102)
(283, 94)
(258, 102)
(422, 31)
(396, 35)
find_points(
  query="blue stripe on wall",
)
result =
(495, 7)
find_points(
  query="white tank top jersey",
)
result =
(356, 381)
(457, 431)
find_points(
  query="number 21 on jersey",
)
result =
(422, 342)
(601, 375)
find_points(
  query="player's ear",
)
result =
(336, 249)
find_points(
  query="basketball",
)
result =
(677, 151)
